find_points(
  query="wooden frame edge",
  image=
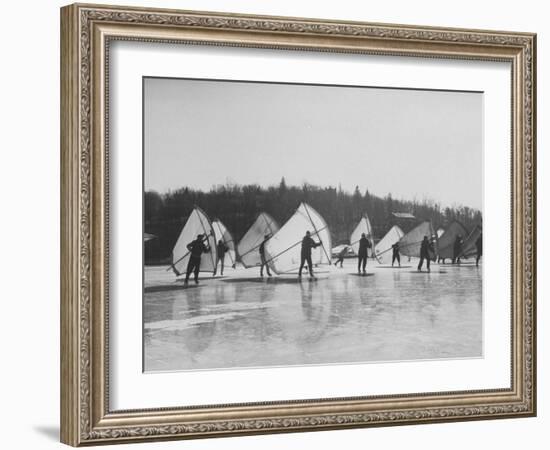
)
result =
(84, 416)
(69, 88)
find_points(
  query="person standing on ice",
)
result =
(307, 244)
(425, 248)
(457, 249)
(479, 249)
(341, 256)
(222, 249)
(364, 245)
(196, 248)
(395, 254)
(263, 261)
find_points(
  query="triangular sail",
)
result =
(409, 245)
(447, 240)
(363, 226)
(469, 248)
(197, 223)
(249, 245)
(383, 250)
(283, 250)
(223, 234)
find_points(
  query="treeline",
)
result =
(237, 207)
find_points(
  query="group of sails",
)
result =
(205, 246)
(305, 240)
(454, 243)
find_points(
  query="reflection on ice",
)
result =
(242, 321)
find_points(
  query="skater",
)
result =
(457, 249)
(263, 261)
(395, 254)
(364, 244)
(425, 248)
(222, 249)
(307, 244)
(341, 256)
(479, 249)
(196, 248)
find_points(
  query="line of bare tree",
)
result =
(238, 205)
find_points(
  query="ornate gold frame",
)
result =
(86, 31)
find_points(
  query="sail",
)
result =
(283, 250)
(222, 234)
(197, 223)
(339, 249)
(409, 245)
(248, 247)
(447, 240)
(469, 248)
(383, 250)
(362, 227)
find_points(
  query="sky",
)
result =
(407, 143)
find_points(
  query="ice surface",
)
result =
(243, 321)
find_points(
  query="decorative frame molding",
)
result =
(86, 31)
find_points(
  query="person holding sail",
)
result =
(479, 249)
(425, 248)
(196, 249)
(341, 256)
(364, 245)
(263, 260)
(395, 254)
(222, 250)
(457, 249)
(307, 245)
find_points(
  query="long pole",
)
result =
(291, 247)
(207, 235)
(173, 265)
(316, 232)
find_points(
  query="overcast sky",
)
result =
(410, 143)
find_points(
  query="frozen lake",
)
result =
(244, 321)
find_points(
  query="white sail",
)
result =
(197, 223)
(409, 244)
(363, 226)
(383, 250)
(447, 240)
(248, 248)
(222, 234)
(283, 250)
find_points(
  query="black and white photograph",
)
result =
(301, 224)
(275, 225)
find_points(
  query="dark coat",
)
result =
(222, 248)
(395, 249)
(425, 248)
(479, 244)
(197, 248)
(457, 246)
(307, 245)
(364, 244)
